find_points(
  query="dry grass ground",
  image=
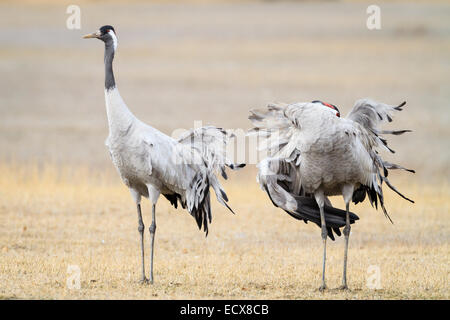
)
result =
(56, 218)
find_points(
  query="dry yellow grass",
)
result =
(52, 217)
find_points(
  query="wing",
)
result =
(282, 183)
(370, 115)
(287, 131)
(211, 142)
(367, 116)
(183, 174)
(278, 126)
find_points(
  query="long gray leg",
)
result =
(347, 236)
(324, 239)
(141, 231)
(152, 230)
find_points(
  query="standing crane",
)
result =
(151, 163)
(314, 153)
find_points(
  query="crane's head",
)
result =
(329, 106)
(106, 33)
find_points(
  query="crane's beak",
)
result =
(92, 35)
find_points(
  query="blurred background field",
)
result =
(61, 202)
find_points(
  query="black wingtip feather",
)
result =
(229, 208)
(308, 210)
(396, 191)
(224, 195)
(399, 107)
(224, 174)
(236, 166)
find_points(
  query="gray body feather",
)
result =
(151, 163)
(313, 151)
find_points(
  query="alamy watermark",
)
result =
(373, 280)
(73, 281)
(374, 19)
(236, 145)
(73, 22)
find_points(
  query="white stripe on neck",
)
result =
(113, 36)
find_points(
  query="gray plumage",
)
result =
(280, 180)
(313, 154)
(151, 163)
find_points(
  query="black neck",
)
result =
(110, 83)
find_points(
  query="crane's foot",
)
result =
(144, 280)
(343, 287)
(322, 288)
